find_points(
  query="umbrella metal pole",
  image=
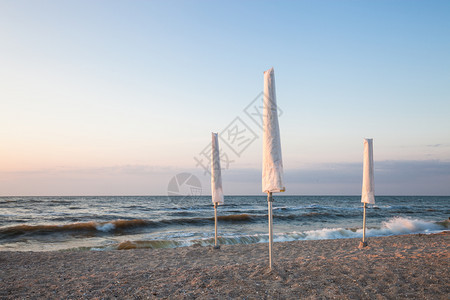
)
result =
(269, 201)
(215, 226)
(364, 243)
(364, 225)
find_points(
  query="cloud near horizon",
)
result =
(426, 177)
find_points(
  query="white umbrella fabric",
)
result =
(272, 169)
(368, 187)
(216, 181)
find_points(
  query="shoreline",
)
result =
(401, 266)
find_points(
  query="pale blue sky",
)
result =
(117, 97)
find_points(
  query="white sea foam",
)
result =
(106, 227)
(172, 235)
(394, 226)
(400, 225)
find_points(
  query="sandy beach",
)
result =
(395, 267)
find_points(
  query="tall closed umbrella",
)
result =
(272, 169)
(368, 188)
(216, 181)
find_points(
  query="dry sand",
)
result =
(396, 267)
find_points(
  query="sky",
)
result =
(119, 97)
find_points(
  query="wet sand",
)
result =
(395, 267)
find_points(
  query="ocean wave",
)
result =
(319, 207)
(232, 218)
(206, 220)
(114, 226)
(394, 226)
(73, 227)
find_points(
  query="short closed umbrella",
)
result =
(368, 187)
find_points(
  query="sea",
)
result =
(118, 223)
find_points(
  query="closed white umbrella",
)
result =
(216, 181)
(272, 169)
(368, 188)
